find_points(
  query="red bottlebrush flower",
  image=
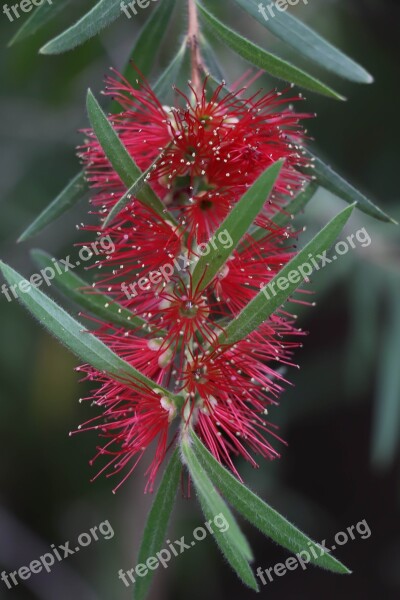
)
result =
(232, 387)
(143, 243)
(217, 146)
(251, 267)
(133, 417)
(220, 146)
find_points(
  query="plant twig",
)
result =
(194, 43)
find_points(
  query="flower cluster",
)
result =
(216, 144)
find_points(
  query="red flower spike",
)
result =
(218, 145)
(133, 418)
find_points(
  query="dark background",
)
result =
(341, 419)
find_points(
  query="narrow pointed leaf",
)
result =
(296, 205)
(120, 158)
(100, 16)
(290, 211)
(148, 43)
(157, 522)
(211, 61)
(133, 191)
(71, 195)
(260, 514)
(334, 183)
(365, 289)
(306, 42)
(111, 144)
(272, 296)
(163, 86)
(232, 543)
(100, 305)
(265, 60)
(237, 223)
(386, 424)
(218, 505)
(74, 336)
(40, 16)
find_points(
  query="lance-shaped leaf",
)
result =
(100, 305)
(232, 542)
(162, 87)
(40, 16)
(134, 191)
(148, 43)
(69, 197)
(210, 59)
(331, 181)
(147, 46)
(100, 16)
(237, 223)
(265, 60)
(157, 522)
(278, 290)
(121, 160)
(305, 41)
(295, 206)
(287, 214)
(263, 516)
(73, 334)
(386, 422)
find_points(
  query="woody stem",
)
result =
(194, 43)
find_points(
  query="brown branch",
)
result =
(194, 43)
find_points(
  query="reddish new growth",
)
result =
(217, 144)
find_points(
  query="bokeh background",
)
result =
(342, 417)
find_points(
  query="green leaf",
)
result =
(120, 158)
(334, 183)
(211, 62)
(75, 191)
(162, 87)
(157, 522)
(205, 487)
(265, 60)
(290, 211)
(134, 191)
(307, 42)
(365, 287)
(237, 224)
(100, 16)
(102, 306)
(148, 43)
(40, 16)
(296, 205)
(232, 543)
(111, 144)
(260, 514)
(386, 423)
(263, 305)
(74, 336)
